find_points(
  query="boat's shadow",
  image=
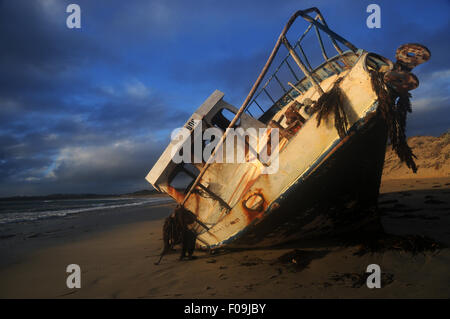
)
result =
(401, 229)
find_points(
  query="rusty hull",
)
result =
(322, 184)
(338, 195)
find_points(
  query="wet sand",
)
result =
(116, 251)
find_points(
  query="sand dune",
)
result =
(433, 159)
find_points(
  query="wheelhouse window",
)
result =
(184, 177)
(223, 119)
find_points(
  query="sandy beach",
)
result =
(116, 251)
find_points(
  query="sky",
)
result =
(90, 110)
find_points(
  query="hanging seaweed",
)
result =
(333, 102)
(394, 106)
(176, 231)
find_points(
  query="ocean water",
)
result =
(29, 210)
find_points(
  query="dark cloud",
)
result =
(114, 143)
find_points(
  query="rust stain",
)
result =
(197, 202)
(411, 55)
(251, 214)
(234, 221)
(175, 194)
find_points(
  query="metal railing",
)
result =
(297, 47)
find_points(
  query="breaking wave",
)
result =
(15, 212)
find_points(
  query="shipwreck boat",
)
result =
(333, 121)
